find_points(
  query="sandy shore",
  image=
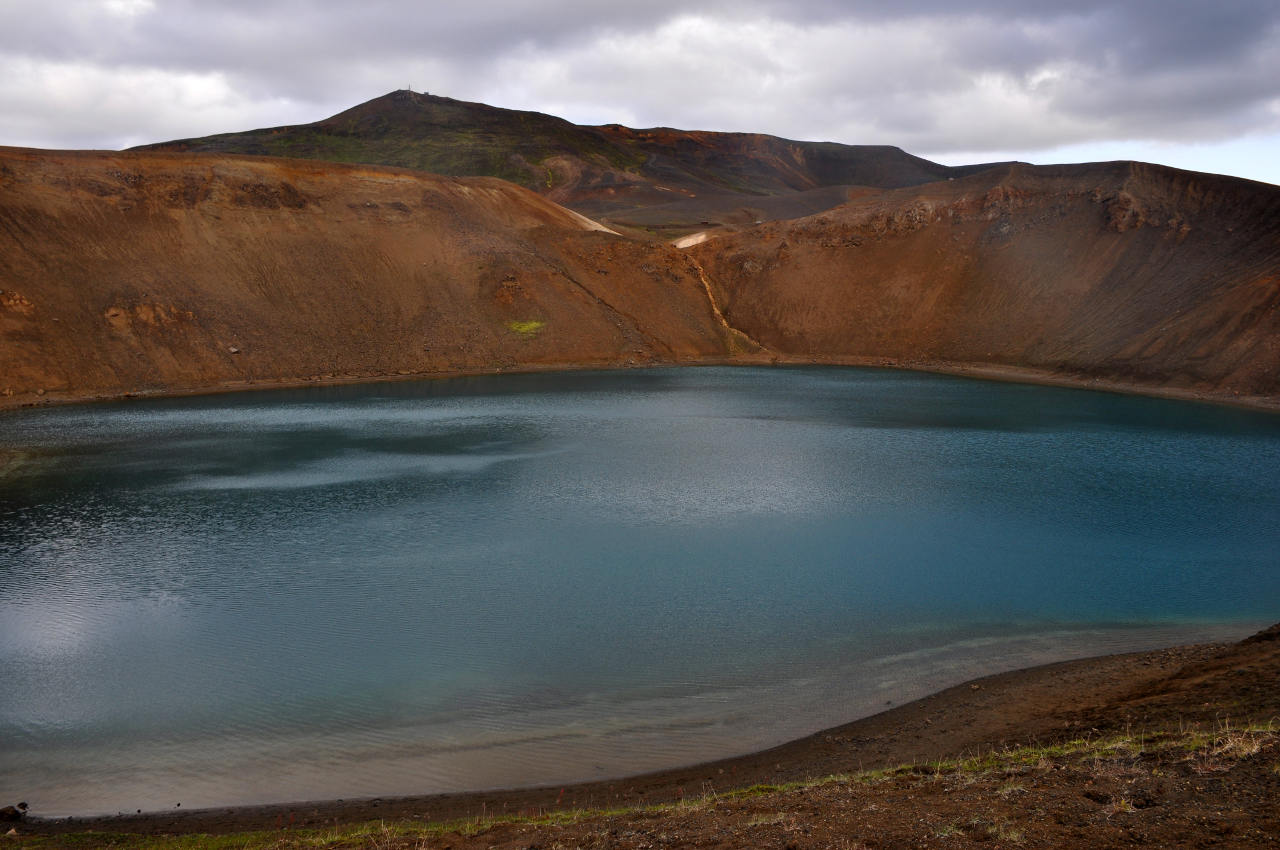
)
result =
(1181, 686)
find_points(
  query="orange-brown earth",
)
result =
(137, 273)
(1124, 272)
(141, 273)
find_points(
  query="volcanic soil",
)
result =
(136, 274)
(160, 273)
(1173, 748)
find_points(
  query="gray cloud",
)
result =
(929, 75)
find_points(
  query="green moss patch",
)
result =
(530, 328)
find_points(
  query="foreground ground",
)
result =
(1178, 748)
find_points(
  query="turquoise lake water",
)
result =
(427, 586)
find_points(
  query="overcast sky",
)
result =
(1191, 84)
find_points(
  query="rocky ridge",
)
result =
(154, 273)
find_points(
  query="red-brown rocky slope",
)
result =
(161, 272)
(1133, 273)
(154, 272)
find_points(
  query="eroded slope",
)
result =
(155, 272)
(1129, 272)
(140, 272)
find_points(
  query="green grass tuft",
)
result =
(527, 329)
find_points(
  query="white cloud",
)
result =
(80, 105)
(128, 8)
(1252, 157)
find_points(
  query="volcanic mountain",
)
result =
(153, 272)
(660, 180)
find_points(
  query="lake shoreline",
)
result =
(1157, 689)
(979, 371)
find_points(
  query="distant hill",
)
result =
(662, 180)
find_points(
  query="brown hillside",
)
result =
(124, 273)
(158, 273)
(1124, 271)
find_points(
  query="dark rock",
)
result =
(1265, 635)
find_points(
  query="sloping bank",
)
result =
(1123, 275)
(151, 273)
(158, 273)
(1184, 736)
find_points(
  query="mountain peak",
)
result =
(661, 180)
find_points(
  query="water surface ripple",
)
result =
(429, 586)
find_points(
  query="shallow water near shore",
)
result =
(417, 587)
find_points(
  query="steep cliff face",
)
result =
(157, 272)
(1124, 271)
(125, 273)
